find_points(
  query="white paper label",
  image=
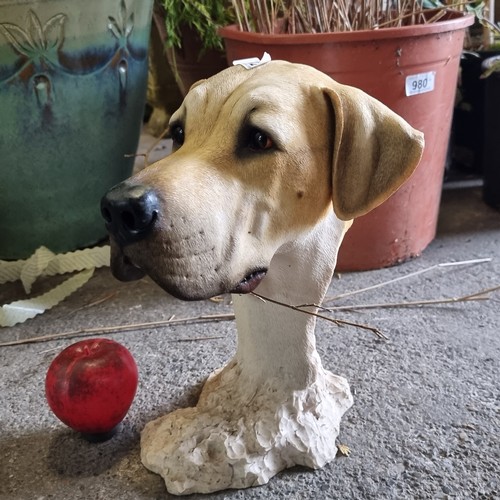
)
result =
(420, 84)
(252, 62)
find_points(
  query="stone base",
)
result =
(236, 437)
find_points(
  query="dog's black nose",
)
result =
(130, 212)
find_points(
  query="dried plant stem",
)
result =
(197, 339)
(416, 303)
(338, 322)
(160, 138)
(478, 295)
(406, 276)
(86, 332)
(155, 144)
(95, 302)
(326, 16)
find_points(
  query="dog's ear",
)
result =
(374, 151)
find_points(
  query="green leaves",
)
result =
(204, 16)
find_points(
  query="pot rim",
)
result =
(454, 21)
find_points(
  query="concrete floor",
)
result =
(426, 418)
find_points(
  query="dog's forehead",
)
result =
(274, 81)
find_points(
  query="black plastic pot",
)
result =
(467, 148)
(491, 157)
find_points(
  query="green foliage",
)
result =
(476, 8)
(431, 4)
(204, 16)
(470, 6)
(493, 67)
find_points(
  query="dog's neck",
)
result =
(275, 342)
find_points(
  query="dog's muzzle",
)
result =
(130, 212)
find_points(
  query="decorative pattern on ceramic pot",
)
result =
(72, 93)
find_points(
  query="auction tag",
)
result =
(420, 84)
(252, 62)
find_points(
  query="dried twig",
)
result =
(415, 303)
(84, 332)
(197, 339)
(482, 292)
(94, 303)
(87, 332)
(406, 276)
(338, 322)
(160, 138)
(145, 155)
(325, 16)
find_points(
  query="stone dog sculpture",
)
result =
(269, 167)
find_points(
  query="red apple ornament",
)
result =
(91, 384)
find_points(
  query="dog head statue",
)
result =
(269, 167)
(259, 157)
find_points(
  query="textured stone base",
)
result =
(236, 437)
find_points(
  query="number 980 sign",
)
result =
(420, 84)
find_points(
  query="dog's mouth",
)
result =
(123, 268)
(250, 282)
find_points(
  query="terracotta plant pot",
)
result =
(382, 63)
(72, 93)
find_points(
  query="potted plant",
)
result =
(402, 53)
(189, 32)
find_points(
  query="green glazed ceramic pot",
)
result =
(73, 79)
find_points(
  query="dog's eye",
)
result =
(177, 135)
(259, 141)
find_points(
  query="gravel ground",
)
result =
(425, 423)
